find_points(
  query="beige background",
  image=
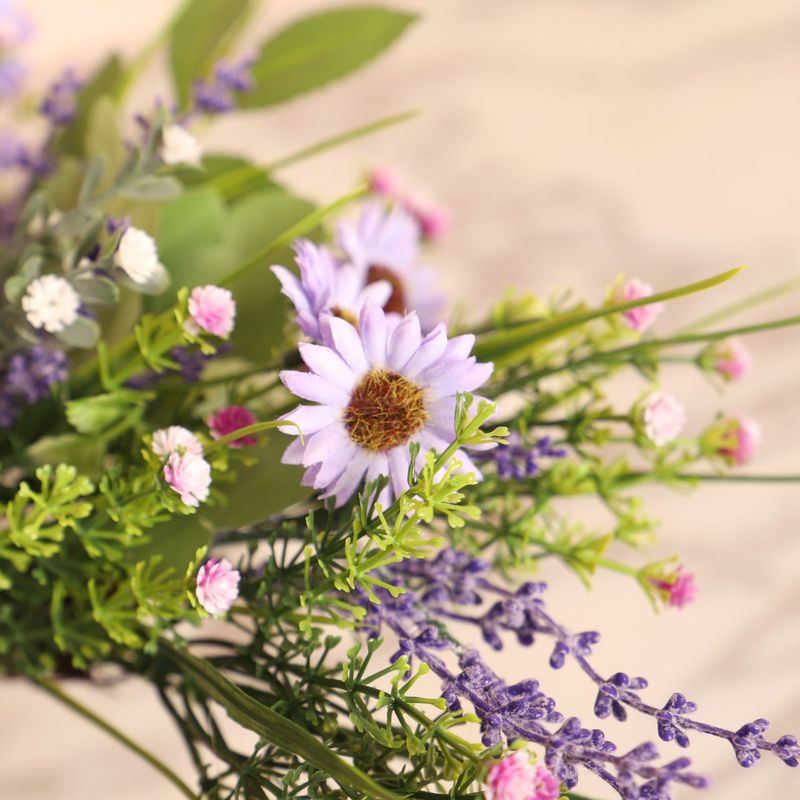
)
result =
(573, 140)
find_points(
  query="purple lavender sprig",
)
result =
(522, 711)
(30, 376)
(217, 95)
(518, 459)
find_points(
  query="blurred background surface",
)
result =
(573, 141)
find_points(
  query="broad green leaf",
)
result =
(192, 242)
(83, 333)
(103, 138)
(319, 49)
(261, 313)
(200, 36)
(97, 413)
(272, 726)
(106, 81)
(63, 185)
(151, 188)
(259, 490)
(99, 291)
(85, 453)
(176, 542)
(232, 177)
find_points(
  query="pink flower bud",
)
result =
(189, 475)
(230, 419)
(734, 361)
(217, 585)
(641, 318)
(434, 222)
(211, 309)
(679, 591)
(384, 182)
(663, 417)
(747, 437)
(515, 778)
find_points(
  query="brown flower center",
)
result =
(385, 411)
(397, 300)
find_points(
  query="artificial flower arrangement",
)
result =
(220, 400)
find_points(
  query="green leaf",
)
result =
(200, 36)
(151, 188)
(83, 333)
(97, 291)
(272, 726)
(103, 140)
(255, 222)
(319, 49)
(192, 241)
(99, 412)
(106, 81)
(85, 453)
(232, 177)
(175, 542)
(260, 489)
(511, 345)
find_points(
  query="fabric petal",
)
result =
(429, 352)
(404, 342)
(399, 461)
(347, 483)
(324, 444)
(309, 419)
(293, 454)
(312, 387)
(328, 364)
(374, 333)
(348, 344)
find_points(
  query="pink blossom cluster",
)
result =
(212, 309)
(217, 585)
(638, 319)
(515, 778)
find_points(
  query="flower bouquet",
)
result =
(248, 452)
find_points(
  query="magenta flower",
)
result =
(384, 245)
(326, 286)
(679, 590)
(733, 360)
(434, 222)
(230, 419)
(217, 585)
(376, 389)
(211, 309)
(746, 434)
(175, 439)
(515, 778)
(663, 418)
(189, 475)
(384, 182)
(641, 318)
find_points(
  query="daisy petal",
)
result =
(312, 387)
(374, 333)
(348, 344)
(429, 352)
(328, 364)
(405, 341)
(309, 419)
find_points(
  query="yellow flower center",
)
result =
(385, 411)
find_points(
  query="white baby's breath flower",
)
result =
(178, 146)
(51, 303)
(137, 256)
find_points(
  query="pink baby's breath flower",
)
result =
(515, 778)
(734, 361)
(680, 590)
(663, 417)
(213, 310)
(189, 475)
(230, 419)
(217, 585)
(175, 439)
(747, 433)
(641, 318)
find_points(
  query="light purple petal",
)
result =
(379, 292)
(293, 454)
(347, 483)
(374, 333)
(310, 419)
(399, 462)
(312, 387)
(324, 444)
(329, 365)
(335, 464)
(450, 377)
(348, 343)
(429, 352)
(404, 342)
(459, 347)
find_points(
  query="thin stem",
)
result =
(52, 689)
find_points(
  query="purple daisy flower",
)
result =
(385, 244)
(376, 389)
(326, 286)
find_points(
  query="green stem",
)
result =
(250, 430)
(622, 353)
(69, 701)
(342, 138)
